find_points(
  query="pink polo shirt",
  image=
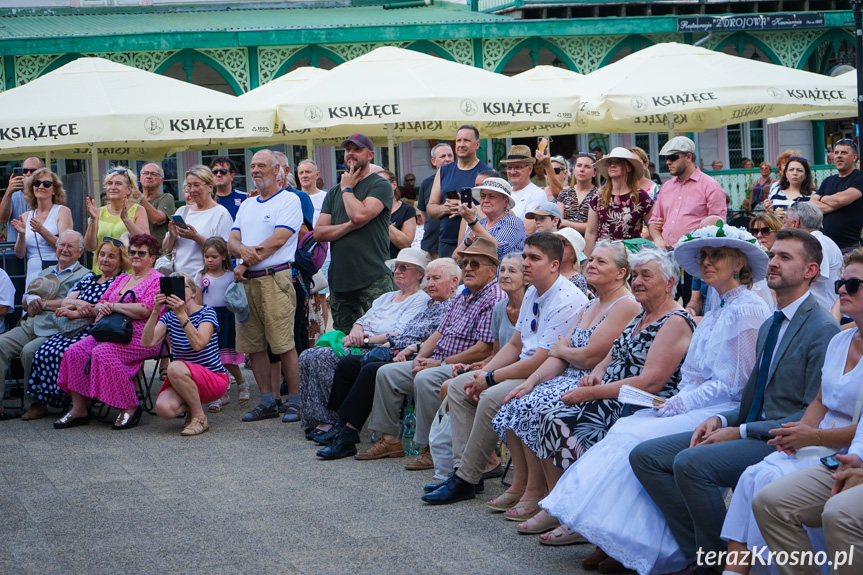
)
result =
(682, 205)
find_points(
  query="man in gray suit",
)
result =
(683, 473)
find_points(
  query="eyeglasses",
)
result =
(713, 256)
(765, 231)
(138, 253)
(672, 157)
(558, 170)
(517, 167)
(115, 241)
(73, 247)
(154, 174)
(43, 184)
(195, 186)
(534, 323)
(117, 171)
(220, 172)
(851, 285)
(798, 159)
(402, 268)
(473, 264)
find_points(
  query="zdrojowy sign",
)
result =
(750, 22)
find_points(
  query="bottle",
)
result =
(410, 428)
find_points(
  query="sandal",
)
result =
(163, 372)
(504, 502)
(195, 427)
(539, 523)
(216, 406)
(560, 536)
(243, 397)
(292, 413)
(522, 511)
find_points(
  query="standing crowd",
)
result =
(638, 355)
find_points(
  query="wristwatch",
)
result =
(489, 379)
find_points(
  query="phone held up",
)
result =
(542, 144)
(178, 220)
(172, 285)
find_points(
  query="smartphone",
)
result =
(830, 462)
(466, 196)
(169, 285)
(178, 220)
(460, 371)
(18, 172)
(452, 195)
(542, 144)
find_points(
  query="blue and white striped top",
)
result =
(181, 349)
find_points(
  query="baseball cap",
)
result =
(545, 208)
(360, 140)
(678, 144)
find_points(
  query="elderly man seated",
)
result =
(464, 336)
(44, 295)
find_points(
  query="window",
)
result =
(652, 143)
(745, 141)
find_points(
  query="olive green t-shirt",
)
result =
(357, 258)
(163, 202)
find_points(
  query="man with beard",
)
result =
(441, 155)
(684, 473)
(840, 198)
(355, 219)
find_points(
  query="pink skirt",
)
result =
(211, 386)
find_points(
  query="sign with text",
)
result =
(750, 22)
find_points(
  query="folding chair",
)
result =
(15, 372)
(144, 384)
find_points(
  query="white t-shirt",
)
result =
(528, 199)
(213, 222)
(831, 266)
(257, 219)
(7, 296)
(557, 310)
(318, 202)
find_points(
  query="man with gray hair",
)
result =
(13, 203)
(44, 296)
(807, 217)
(441, 155)
(158, 205)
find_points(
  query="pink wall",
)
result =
(324, 160)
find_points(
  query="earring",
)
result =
(735, 275)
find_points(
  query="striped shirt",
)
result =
(468, 321)
(181, 349)
(508, 232)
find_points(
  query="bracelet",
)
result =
(489, 379)
(113, 307)
(347, 190)
(185, 323)
(476, 221)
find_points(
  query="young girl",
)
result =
(214, 280)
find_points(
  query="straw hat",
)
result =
(44, 287)
(518, 154)
(498, 185)
(721, 236)
(412, 256)
(621, 154)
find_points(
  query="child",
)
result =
(214, 280)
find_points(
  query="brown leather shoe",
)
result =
(421, 463)
(36, 411)
(381, 448)
(592, 561)
(611, 566)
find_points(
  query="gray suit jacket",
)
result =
(795, 373)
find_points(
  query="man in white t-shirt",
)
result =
(519, 166)
(264, 237)
(807, 217)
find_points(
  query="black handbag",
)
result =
(114, 327)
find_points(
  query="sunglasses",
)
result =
(28, 170)
(117, 171)
(533, 323)
(410, 180)
(763, 231)
(115, 241)
(473, 264)
(43, 184)
(714, 256)
(138, 253)
(586, 155)
(558, 170)
(220, 172)
(672, 157)
(402, 268)
(851, 285)
(798, 159)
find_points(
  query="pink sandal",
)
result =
(504, 502)
(561, 536)
(539, 523)
(523, 511)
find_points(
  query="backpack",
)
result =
(310, 257)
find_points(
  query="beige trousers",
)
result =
(803, 498)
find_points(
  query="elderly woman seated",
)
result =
(354, 379)
(104, 371)
(647, 355)
(195, 374)
(717, 366)
(389, 315)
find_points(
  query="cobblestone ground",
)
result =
(242, 498)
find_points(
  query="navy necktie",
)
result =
(764, 367)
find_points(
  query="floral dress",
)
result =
(566, 432)
(42, 386)
(521, 415)
(573, 210)
(622, 219)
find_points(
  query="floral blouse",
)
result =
(622, 219)
(573, 210)
(423, 324)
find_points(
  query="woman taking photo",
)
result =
(574, 200)
(506, 230)
(403, 218)
(78, 307)
(39, 228)
(119, 215)
(104, 371)
(202, 217)
(621, 210)
(195, 374)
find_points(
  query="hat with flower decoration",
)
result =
(721, 236)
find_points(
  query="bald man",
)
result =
(13, 203)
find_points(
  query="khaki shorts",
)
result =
(272, 303)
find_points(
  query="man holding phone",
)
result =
(355, 219)
(13, 203)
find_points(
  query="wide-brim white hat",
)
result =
(620, 154)
(721, 236)
(413, 256)
(575, 239)
(498, 185)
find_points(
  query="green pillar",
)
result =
(9, 68)
(253, 68)
(818, 142)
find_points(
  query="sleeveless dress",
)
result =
(521, 415)
(628, 525)
(38, 250)
(568, 431)
(110, 226)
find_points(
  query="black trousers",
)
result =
(684, 288)
(353, 390)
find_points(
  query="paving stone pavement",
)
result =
(242, 498)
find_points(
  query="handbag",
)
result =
(377, 353)
(114, 327)
(70, 327)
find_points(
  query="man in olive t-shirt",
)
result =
(355, 218)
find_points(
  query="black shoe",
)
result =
(126, 421)
(328, 436)
(313, 433)
(480, 487)
(339, 448)
(455, 489)
(68, 421)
